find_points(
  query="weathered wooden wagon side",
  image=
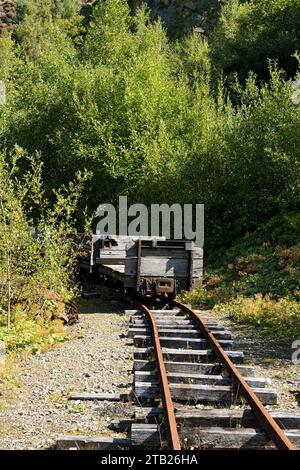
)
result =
(148, 265)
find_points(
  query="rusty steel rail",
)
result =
(168, 408)
(272, 429)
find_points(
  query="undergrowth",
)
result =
(38, 257)
(28, 336)
(257, 280)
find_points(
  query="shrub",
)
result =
(29, 336)
(280, 318)
(37, 256)
(140, 112)
(257, 279)
(251, 32)
(199, 298)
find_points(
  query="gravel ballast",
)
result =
(37, 409)
(270, 357)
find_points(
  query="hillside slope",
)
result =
(7, 15)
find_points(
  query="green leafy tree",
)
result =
(39, 20)
(35, 255)
(140, 112)
(251, 32)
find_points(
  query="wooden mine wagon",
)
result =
(148, 265)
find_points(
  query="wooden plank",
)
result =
(160, 253)
(111, 262)
(178, 332)
(201, 379)
(155, 266)
(180, 343)
(218, 417)
(206, 379)
(92, 443)
(233, 417)
(170, 313)
(116, 268)
(121, 425)
(209, 438)
(144, 324)
(165, 323)
(218, 393)
(140, 364)
(190, 355)
(139, 313)
(232, 438)
(142, 321)
(149, 415)
(187, 367)
(111, 272)
(150, 435)
(144, 331)
(203, 393)
(174, 311)
(101, 396)
(172, 318)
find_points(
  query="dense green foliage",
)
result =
(257, 280)
(139, 112)
(37, 258)
(201, 120)
(251, 32)
(279, 318)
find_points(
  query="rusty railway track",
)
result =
(182, 358)
(266, 421)
(168, 407)
(272, 429)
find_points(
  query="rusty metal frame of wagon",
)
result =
(264, 418)
(168, 408)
